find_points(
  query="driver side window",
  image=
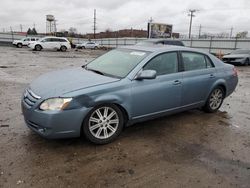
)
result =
(166, 63)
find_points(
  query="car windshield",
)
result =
(241, 52)
(117, 63)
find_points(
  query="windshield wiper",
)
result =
(99, 72)
(96, 71)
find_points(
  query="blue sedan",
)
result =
(125, 86)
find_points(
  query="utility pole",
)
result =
(55, 23)
(231, 32)
(150, 21)
(191, 14)
(12, 35)
(200, 31)
(94, 22)
(21, 28)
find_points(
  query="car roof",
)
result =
(161, 48)
(54, 37)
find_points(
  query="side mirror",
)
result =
(146, 74)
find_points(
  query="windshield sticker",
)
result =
(138, 53)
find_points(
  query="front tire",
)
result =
(103, 124)
(38, 47)
(19, 45)
(214, 100)
(63, 48)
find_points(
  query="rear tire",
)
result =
(103, 124)
(19, 45)
(38, 47)
(215, 100)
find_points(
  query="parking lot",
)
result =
(190, 149)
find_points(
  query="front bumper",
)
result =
(234, 61)
(53, 125)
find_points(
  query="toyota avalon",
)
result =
(124, 86)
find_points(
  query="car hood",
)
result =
(17, 40)
(236, 56)
(57, 83)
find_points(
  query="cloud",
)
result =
(213, 15)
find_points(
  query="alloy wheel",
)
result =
(216, 99)
(103, 122)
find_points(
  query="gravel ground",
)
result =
(190, 149)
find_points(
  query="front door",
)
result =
(160, 94)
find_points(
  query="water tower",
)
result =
(50, 24)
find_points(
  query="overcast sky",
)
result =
(215, 16)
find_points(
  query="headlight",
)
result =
(55, 104)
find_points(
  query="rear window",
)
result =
(193, 61)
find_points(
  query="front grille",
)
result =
(30, 98)
(229, 59)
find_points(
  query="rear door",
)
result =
(198, 77)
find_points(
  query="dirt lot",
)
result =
(190, 149)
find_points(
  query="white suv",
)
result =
(57, 43)
(24, 41)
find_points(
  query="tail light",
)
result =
(235, 72)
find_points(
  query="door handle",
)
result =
(177, 82)
(211, 76)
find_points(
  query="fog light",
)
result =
(43, 130)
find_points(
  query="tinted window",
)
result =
(159, 42)
(163, 64)
(62, 40)
(193, 61)
(32, 39)
(54, 40)
(28, 39)
(178, 43)
(168, 42)
(46, 40)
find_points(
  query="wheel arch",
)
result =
(219, 83)
(38, 45)
(101, 103)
